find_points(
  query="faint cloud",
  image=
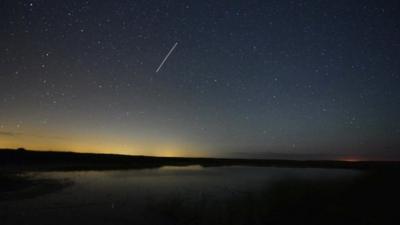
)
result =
(9, 133)
(47, 136)
(14, 134)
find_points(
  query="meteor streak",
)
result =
(166, 57)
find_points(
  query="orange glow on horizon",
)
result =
(105, 150)
(100, 144)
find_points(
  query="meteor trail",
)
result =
(166, 57)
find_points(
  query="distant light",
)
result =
(350, 160)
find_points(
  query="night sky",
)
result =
(245, 79)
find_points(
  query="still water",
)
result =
(123, 197)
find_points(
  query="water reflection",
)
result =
(184, 180)
(123, 194)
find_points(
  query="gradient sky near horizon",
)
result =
(247, 78)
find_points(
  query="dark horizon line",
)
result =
(28, 160)
(278, 156)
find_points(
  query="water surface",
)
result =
(128, 196)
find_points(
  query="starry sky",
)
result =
(246, 79)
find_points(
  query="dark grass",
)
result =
(17, 186)
(12, 182)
